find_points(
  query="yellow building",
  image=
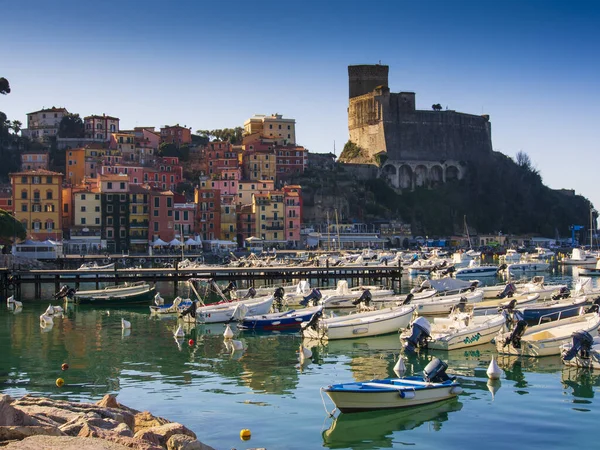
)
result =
(274, 127)
(228, 218)
(37, 198)
(260, 165)
(268, 210)
(247, 188)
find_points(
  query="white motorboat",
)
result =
(391, 393)
(95, 266)
(579, 257)
(340, 297)
(223, 312)
(459, 330)
(522, 267)
(536, 285)
(542, 253)
(443, 304)
(475, 269)
(583, 351)
(300, 288)
(177, 307)
(426, 266)
(491, 306)
(369, 323)
(545, 339)
(589, 271)
(511, 256)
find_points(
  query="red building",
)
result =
(291, 160)
(161, 220)
(221, 156)
(167, 173)
(100, 127)
(175, 134)
(6, 202)
(208, 213)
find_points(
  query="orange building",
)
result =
(176, 134)
(75, 166)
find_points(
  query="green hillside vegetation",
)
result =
(499, 195)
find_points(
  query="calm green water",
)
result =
(539, 404)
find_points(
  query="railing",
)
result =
(275, 227)
(139, 224)
(80, 233)
(548, 317)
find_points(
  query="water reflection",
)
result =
(377, 429)
(581, 382)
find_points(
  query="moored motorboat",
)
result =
(583, 351)
(553, 309)
(118, 299)
(177, 307)
(227, 311)
(491, 306)
(579, 257)
(95, 266)
(287, 320)
(121, 290)
(443, 304)
(390, 393)
(545, 339)
(476, 269)
(522, 267)
(369, 323)
(459, 330)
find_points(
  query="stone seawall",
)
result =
(43, 423)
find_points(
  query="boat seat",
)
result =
(388, 386)
(542, 335)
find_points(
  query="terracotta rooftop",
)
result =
(36, 172)
(53, 109)
(115, 176)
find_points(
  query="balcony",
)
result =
(143, 224)
(275, 227)
(89, 233)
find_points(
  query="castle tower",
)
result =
(364, 78)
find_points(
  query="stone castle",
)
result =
(423, 147)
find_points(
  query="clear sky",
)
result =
(533, 66)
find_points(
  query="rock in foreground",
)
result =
(41, 422)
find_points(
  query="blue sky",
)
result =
(533, 66)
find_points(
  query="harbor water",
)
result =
(538, 403)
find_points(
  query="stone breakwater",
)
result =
(44, 423)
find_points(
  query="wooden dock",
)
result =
(390, 276)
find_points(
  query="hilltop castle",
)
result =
(423, 147)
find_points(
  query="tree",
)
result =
(233, 135)
(523, 160)
(71, 126)
(16, 126)
(436, 107)
(4, 86)
(11, 228)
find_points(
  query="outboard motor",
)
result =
(65, 291)
(509, 291)
(517, 333)
(582, 344)
(278, 296)
(595, 307)
(191, 310)
(563, 292)
(449, 271)
(408, 299)
(462, 305)
(501, 268)
(230, 287)
(435, 371)
(315, 296)
(365, 298)
(251, 293)
(421, 330)
(314, 320)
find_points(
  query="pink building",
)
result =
(135, 173)
(162, 221)
(167, 173)
(100, 127)
(185, 214)
(32, 160)
(293, 213)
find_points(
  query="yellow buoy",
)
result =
(60, 382)
(245, 434)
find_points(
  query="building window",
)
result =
(97, 195)
(36, 180)
(169, 202)
(123, 197)
(109, 185)
(48, 180)
(83, 209)
(36, 226)
(155, 226)
(97, 220)
(156, 213)
(109, 208)
(123, 233)
(97, 209)
(156, 202)
(36, 196)
(36, 208)
(109, 233)
(24, 207)
(122, 185)
(109, 221)
(109, 198)
(24, 223)
(185, 215)
(24, 195)
(83, 221)
(122, 221)
(23, 180)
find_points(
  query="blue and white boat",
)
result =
(553, 309)
(177, 307)
(287, 320)
(475, 269)
(390, 393)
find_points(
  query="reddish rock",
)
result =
(11, 416)
(21, 432)
(184, 442)
(108, 401)
(109, 435)
(147, 420)
(164, 432)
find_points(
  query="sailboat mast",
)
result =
(328, 234)
(337, 225)
(467, 232)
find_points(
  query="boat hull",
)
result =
(560, 310)
(444, 304)
(224, 312)
(118, 299)
(369, 396)
(373, 323)
(547, 339)
(481, 334)
(290, 320)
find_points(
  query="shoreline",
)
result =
(33, 422)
